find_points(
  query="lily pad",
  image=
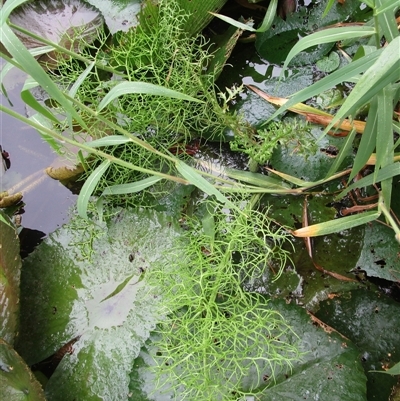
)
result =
(17, 382)
(370, 320)
(336, 253)
(314, 167)
(257, 110)
(329, 369)
(329, 63)
(380, 253)
(70, 23)
(103, 303)
(119, 15)
(10, 270)
(275, 44)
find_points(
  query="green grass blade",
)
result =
(327, 36)
(368, 140)
(387, 22)
(269, 16)
(383, 174)
(131, 187)
(384, 140)
(328, 7)
(289, 178)
(11, 63)
(342, 154)
(89, 186)
(257, 179)
(125, 88)
(111, 140)
(7, 9)
(194, 178)
(337, 225)
(30, 100)
(389, 5)
(342, 75)
(74, 89)
(385, 71)
(24, 58)
(235, 23)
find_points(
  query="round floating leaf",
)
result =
(330, 368)
(71, 23)
(103, 302)
(17, 382)
(275, 44)
(330, 63)
(10, 270)
(380, 253)
(119, 16)
(370, 321)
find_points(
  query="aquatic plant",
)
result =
(261, 144)
(136, 129)
(374, 70)
(217, 334)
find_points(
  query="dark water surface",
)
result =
(46, 200)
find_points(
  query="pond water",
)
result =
(46, 200)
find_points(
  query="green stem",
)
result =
(376, 24)
(382, 207)
(88, 148)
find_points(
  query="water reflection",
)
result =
(46, 201)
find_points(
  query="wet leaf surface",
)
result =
(57, 21)
(369, 319)
(380, 254)
(17, 382)
(10, 270)
(275, 44)
(329, 369)
(257, 110)
(119, 16)
(329, 63)
(102, 302)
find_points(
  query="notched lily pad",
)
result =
(103, 302)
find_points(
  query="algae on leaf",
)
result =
(104, 302)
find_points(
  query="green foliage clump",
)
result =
(218, 340)
(260, 146)
(157, 51)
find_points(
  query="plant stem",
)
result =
(90, 149)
